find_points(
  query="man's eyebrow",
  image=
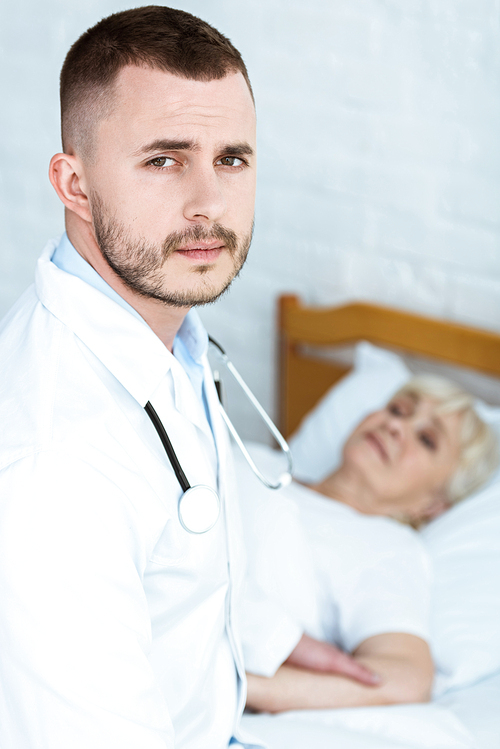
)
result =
(237, 149)
(229, 149)
(167, 145)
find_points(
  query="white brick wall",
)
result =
(379, 162)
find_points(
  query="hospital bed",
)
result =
(366, 352)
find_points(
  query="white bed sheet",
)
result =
(478, 708)
(391, 727)
(467, 718)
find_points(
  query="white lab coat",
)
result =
(116, 625)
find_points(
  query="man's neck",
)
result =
(164, 320)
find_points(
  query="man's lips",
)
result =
(378, 444)
(201, 244)
(205, 251)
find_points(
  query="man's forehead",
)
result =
(149, 104)
(153, 88)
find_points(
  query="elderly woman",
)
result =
(350, 576)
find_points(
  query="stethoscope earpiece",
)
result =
(285, 479)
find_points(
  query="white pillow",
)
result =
(464, 543)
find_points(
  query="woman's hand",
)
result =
(403, 662)
(316, 655)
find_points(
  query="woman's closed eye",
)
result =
(402, 407)
(429, 440)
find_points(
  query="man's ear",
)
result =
(66, 173)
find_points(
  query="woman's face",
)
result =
(405, 454)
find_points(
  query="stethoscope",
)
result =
(199, 506)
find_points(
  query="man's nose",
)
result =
(205, 199)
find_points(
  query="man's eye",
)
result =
(161, 161)
(428, 440)
(231, 161)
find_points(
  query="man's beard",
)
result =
(138, 263)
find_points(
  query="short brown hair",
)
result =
(153, 36)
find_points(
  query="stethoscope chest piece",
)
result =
(199, 506)
(199, 509)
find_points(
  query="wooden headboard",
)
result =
(303, 378)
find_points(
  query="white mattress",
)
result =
(467, 718)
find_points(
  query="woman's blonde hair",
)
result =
(479, 454)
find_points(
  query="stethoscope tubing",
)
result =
(286, 477)
(193, 492)
(162, 434)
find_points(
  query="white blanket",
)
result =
(392, 727)
(467, 718)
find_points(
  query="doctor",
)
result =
(117, 624)
(117, 621)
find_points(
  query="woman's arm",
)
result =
(402, 661)
(315, 655)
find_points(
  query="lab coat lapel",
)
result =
(124, 344)
(227, 492)
(219, 429)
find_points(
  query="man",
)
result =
(118, 617)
